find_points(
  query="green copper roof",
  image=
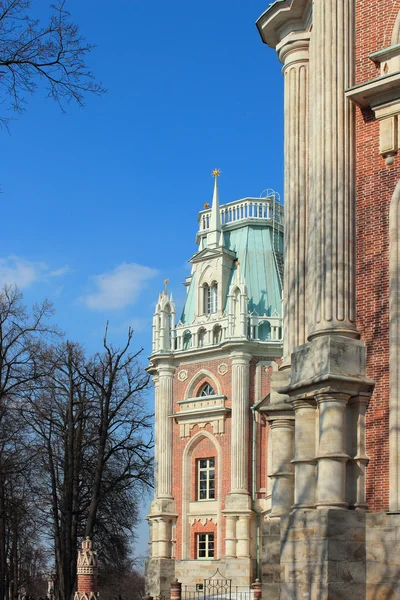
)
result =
(188, 309)
(253, 246)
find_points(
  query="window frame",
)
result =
(209, 545)
(209, 489)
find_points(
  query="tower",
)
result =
(211, 372)
(86, 571)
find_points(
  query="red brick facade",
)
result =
(375, 187)
(205, 448)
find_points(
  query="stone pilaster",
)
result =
(240, 423)
(304, 460)
(293, 52)
(358, 461)
(331, 253)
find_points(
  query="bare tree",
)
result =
(53, 53)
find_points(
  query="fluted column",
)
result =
(304, 460)
(293, 52)
(156, 441)
(331, 256)
(163, 451)
(332, 456)
(240, 423)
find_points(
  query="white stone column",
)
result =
(332, 456)
(282, 475)
(164, 537)
(304, 460)
(164, 448)
(293, 52)
(230, 536)
(243, 536)
(331, 255)
(154, 538)
(240, 423)
(156, 442)
(357, 464)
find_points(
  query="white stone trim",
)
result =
(396, 31)
(394, 352)
(187, 489)
(203, 374)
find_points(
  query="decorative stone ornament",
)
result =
(182, 375)
(222, 369)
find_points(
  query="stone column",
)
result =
(331, 255)
(240, 423)
(230, 540)
(156, 442)
(243, 536)
(164, 409)
(332, 456)
(304, 460)
(164, 537)
(357, 464)
(293, 52)
(282, 476)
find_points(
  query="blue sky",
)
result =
(99, 205)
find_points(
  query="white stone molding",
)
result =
(394, 351)
(187, 490)
(182, 375)
(240, 423)
(331, 252)
(293, 51)
(201, 411)
(222, 369)
(203, 375)
(396, 32)
(202, 520)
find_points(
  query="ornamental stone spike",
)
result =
(214, 234)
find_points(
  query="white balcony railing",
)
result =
(266, 209)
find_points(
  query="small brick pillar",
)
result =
(176, 590)
(257, 588)
(87, 567)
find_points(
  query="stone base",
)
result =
(160, 573)
(331, 555)
(239, 570)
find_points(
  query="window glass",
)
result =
(207, 390)
(205, 545)
(206, 479)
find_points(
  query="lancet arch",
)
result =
(199, 378)
(187, 467)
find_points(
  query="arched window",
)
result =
(207, 390)
(187, 340)
(210, 298)
(264, 331)
(201, 337)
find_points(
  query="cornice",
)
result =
(376, 91)
(282, 17)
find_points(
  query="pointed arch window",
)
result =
(207, 390)
(211, 298)
(201, 337)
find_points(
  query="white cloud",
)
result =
(23, 273)
(118, 288)
(137, 324)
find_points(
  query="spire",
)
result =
(214, 233)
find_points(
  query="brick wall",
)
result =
(375, 186)
(204, 447)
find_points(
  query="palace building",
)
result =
(211, 368)
(326, 423)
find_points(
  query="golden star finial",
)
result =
(216, 172)
(166, 280)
